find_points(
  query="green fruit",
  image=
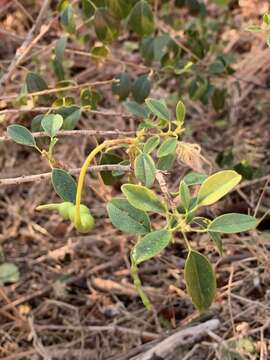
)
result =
(64, 208)
(87, 223)
(72, 211)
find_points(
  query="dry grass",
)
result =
(75, 298)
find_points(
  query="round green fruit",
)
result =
(64, 209)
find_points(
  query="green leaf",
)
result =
(160, 46)
(141, 88)
(266, 19)
(106, 26)
(143, 198)
(88, 9)
(180, 112)
(35, 82)
(51, 124)
(36, 123)
(107, 176)
(136, 109)
(222, 2)
(145, 169)
(158, 108)
(58, 69)
(9, 273)
(217, 67)
(216, 186)
(268, 40)
(184, 194)
(167, 147)
(71, 116)
(216, 237)
(154, 48)
(165, 163)
(120, 8)
(21, 135)
(127, 218)
(254, 28)
(60, 48)
(141, 19)
(232, 223)
(67, 20)
(90, 98)
(194, 178)
(99, 52)
(200, 280)
(64, 185)
(122, 87)
(151, 144)
(219, 98)
(151, 245)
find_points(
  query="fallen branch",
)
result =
(183, 337)
(45, 176)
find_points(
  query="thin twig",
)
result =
(42, 134)
(252, 182)
(64, 88)
(45, 176)
(27, 44)
(44, 109)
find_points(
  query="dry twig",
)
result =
(45, 176)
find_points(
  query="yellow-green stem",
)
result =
(138, 284)
(84, 168)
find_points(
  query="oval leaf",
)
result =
(120, 8)
(180, 112)
(184, 194)
(21, 135)
(232, 223)
(168, 147)
(143, 198)
(122, 87)
(35, 82)
(200, 280)
(71, 116)
(136, 109)
(9, 273)
(141, 88)
(64, 185)
(127, 218)
(145, 169)
(67, 19)
(194, 178)
(158, 108)
(216, 186)
(51, 124)
(151, 144)
(216, 237)
(141, 19)
(165, 163)
(106, 26)
(151, 245)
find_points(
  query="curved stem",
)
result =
(138, 284)
(186, 241)
(84, 168)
